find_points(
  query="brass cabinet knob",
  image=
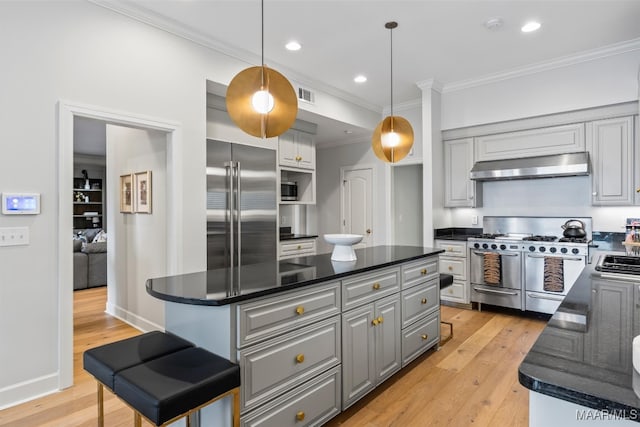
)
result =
(449, 249)
(450, 268)
(425, 336)
(423, 271)
(423, 301)
(300, 416)
(300, 310)
(368, 231)
(300, 247)
(380, 319)
(300, 358)
(376, 286)
(375, 322)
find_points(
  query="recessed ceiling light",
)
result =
(360, 78)
(293, 45)
(530, 26)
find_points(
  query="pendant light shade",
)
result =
(260, 100)
(393, 137)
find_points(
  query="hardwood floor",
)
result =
(471, 380)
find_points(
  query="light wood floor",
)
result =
(471, 380)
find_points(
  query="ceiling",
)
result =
(442, 40)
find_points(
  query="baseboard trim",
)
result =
(132, 319)
(25, 391)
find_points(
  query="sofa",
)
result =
(89, 259)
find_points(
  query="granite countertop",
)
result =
(215, 287)
(284, 237)
(583, 355)
(456, 233)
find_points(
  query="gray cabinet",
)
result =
(297, 149)
(371, 347)
(607, 344)
(611, 145)
(455, 261)
(459, 190)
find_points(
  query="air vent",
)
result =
(306, 95)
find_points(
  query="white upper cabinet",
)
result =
(460, 191)
(611, 146)
(533, 142)
(297, 149)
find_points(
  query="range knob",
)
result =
(552, 250)
(532, 248)
(542, 249)
(503, 247)
(485, 246)
(563, 250)
(494, 246)
(575, 251)
(476, 245)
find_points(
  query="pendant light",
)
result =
(393, 137)
(260, 100)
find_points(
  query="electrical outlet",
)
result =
(283, 220)
(14, 236)
(474, 220)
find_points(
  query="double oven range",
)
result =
(523, 250)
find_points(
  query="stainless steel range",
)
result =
(522, 263)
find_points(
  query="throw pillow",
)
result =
(94, 248)
(100, 237)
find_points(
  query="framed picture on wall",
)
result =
(126, 193)
(142, 183)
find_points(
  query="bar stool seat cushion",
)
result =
(446, 280)
(107, 360)
(167, 387)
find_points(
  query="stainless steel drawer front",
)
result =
(496, 296)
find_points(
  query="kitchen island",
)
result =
(312, 336)
(580, 368)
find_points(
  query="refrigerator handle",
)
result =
(239, 212)
(229, 171)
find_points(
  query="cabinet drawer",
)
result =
(420, 271)
(276, 366)
(457, 267)
(455, 292)
(297, 248)
(418, 301)
(420, 337)
(266, 318)
(311, 404)
(369, 287)
(452, 247)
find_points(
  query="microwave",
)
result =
(289, 191)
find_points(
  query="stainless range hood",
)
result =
(569, 164)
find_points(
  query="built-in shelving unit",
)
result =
(87, 203)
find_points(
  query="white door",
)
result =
(357, 203)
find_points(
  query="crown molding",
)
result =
(403, 106)
(590, 55)
(430, 84)
(174, 27)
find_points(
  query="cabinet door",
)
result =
(387, 337)
(358, 354)
(608, 345)
(306, 150)
(458, 158)
(287, 149)
(611, 148)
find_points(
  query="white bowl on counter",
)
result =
(343, 246)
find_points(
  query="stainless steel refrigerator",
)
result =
(241, 204)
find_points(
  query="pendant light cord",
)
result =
(262, 43)
(391, 61)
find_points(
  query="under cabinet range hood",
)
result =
(568, 164)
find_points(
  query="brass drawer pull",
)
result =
(450, 268)
(423, 301)
(425, 337)
(375, 322)
(449, 249)
(380, 319)
(300, 358)
(300, 310)
(299, 247)
(376, 286)
(423, 271)
(300, 416)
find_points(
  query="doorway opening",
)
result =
(172, 263)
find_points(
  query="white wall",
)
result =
(137, 241)
(407, 205)
(86, 54)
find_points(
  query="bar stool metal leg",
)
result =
(236, 407)
(100, 404)
(137, 419)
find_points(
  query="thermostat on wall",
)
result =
(20, 203)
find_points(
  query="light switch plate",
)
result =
(14, 236)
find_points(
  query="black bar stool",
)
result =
(446, 280)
